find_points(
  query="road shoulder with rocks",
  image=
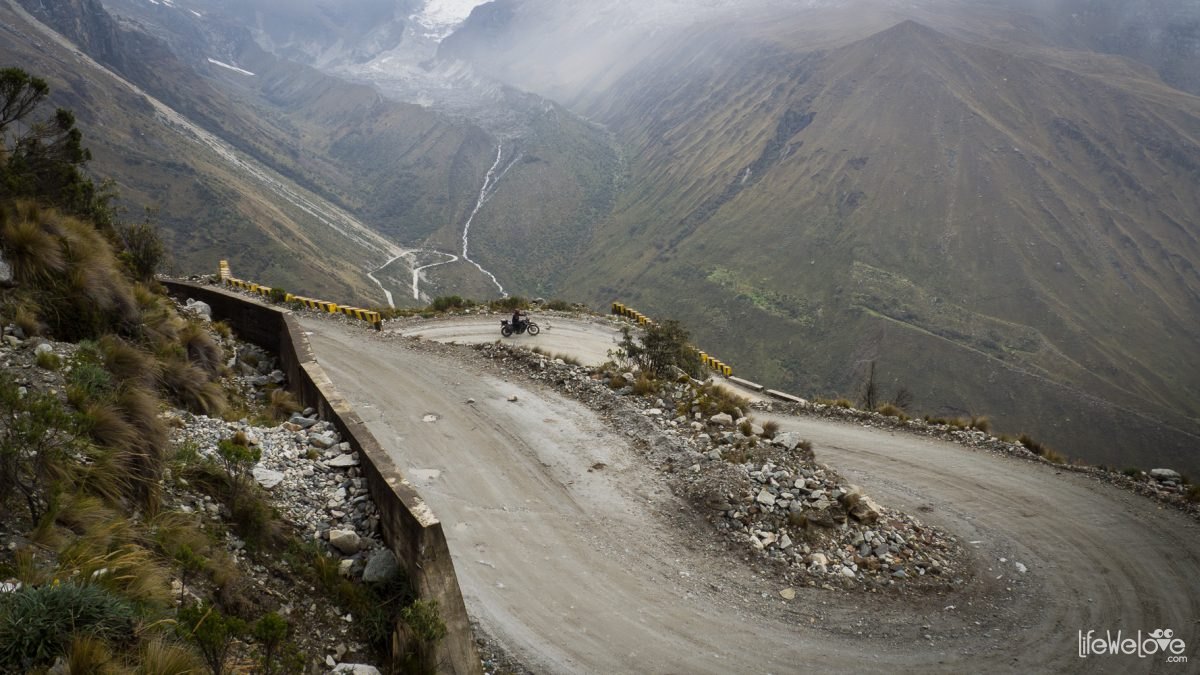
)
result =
(606, 570)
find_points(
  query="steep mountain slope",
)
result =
(407, 172)
(1001, 233)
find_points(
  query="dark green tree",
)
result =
(43, 157)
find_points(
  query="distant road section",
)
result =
(588, 340)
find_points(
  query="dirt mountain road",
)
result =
(583, 570)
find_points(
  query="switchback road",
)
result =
(583, 570)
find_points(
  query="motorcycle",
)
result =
(525, 326)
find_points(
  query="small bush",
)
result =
(144, 252)
(49, 361)
(617, 382)
(271, 630)
(1132, 472)
(1193, 494)
(558, 305)
(277, 295)
(981, 423)
(842, 403)
(508, 304)
(446, 303)
(746, 427)
(211, 632)
(38, 624)
(645, 385)
(424, 629)
(890, 410)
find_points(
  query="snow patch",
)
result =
(233, 68)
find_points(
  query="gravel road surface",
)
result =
(581, 568)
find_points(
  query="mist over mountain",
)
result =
(1002, 218)
(994, 202)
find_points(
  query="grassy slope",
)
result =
(1022, 224)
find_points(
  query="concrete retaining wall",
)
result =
(409, 527)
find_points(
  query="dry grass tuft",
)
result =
(126, 362)
(191, 387)
(282, 403)
(202, 350)
(160, 657)
(31, 248)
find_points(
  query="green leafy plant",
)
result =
(38, 623)
(661, 348)
(424, 629)
(37, 439)
(211, 632)
(270, 630)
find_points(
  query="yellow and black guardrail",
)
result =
(621, 309)
(370, 316)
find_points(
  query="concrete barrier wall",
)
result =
(410, 528)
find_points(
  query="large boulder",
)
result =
(268, 478)
(381, 567)
(866, 511)
(1165, 475)
(355, 669)
(346, 541)
(787, 440)
(199, 308)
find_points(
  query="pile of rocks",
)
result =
(313, 478)
(766, 496)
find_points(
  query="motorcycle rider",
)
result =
(516, 320)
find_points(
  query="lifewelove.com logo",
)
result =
(1155, 643)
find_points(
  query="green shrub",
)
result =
(558, 306)
(38, 623)
(143, 252)
(445, 303)
(38, 438)
(1193, 494)
(49, 361)
(1132, 472)
(271, 630)
(424, 629)
(91, 381)
(661, 348)
(277, 295)
(508, 304)
(211, 631)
